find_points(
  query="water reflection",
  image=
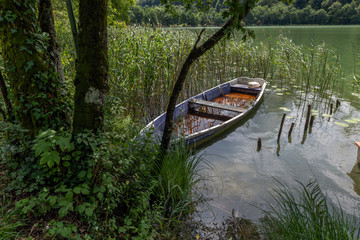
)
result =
(324, 151)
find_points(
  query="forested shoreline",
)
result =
(266, 12)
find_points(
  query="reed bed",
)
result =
(306, 213)
(144, 64)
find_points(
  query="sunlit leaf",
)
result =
(314, 111)
(326, 115)
(350, 121)
(280, 94)
(341, 124)
(289, 117)
(285, 109)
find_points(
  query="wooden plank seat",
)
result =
(195, 101)
(243, 88)
(209, 115)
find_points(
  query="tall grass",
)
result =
(8, 220)
(180, 177)
(306, 213)
(144, 64)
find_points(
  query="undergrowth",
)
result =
(92, 186)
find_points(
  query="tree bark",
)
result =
(194, 54)
(46, 21)
(28, 66)
(91, 81)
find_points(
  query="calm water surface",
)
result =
(244, 177)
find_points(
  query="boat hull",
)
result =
(203, 136)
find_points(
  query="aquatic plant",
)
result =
(306, 213)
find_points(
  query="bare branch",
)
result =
(199, 37)
(4, 93)
(194, 54)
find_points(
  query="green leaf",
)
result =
(41, 147)
(77, 190)
(65, 143)
(82, 174)
(100, 196)
(69, 195)
(81, 208)
(89, 211)
(63, 211)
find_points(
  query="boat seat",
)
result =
(195, 101)
(243, 88)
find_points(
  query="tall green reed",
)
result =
(306, 213)
(144, 63)
(180, 177)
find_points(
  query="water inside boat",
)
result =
(205, 117)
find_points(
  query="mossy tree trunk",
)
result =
(34, 86)
(91, 81)
(46, 21)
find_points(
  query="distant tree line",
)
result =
(267, 12)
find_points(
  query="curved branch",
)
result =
(194, 54)
(5, 96)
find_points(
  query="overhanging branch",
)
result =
(194, 54)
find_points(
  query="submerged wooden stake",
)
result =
(281, 126)
(291, 128)
(311, 123)
(337, 103)
(307, 118)
(331, 108)
(259, 145)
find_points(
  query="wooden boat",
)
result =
(206, 115)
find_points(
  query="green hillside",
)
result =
(267, 12)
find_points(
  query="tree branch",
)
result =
(4, 94)
(72, 24)
(194, 54)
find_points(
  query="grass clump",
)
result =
(8, 221)
(306, 213)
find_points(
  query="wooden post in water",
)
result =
(281, 126)
(307, 118)
(337, 103)
(290, 131)
(331, 108)
(311, 123)
(259, 145)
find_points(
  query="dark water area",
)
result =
(327, 152)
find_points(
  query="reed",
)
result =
(180, 176)
(306, 213)
(144, 63)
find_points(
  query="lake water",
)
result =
(244, 177)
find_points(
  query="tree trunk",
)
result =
(195, 53)
(37, 103)
(46, 21)
(92, 69)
